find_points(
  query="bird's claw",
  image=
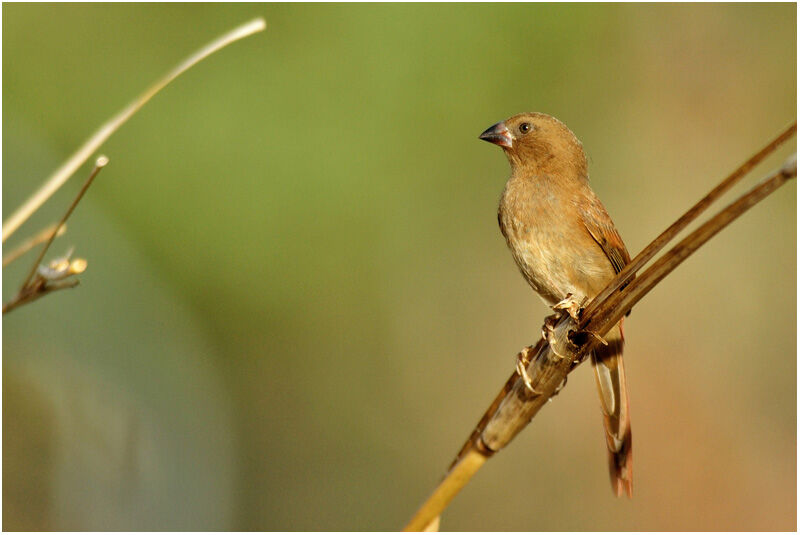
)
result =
(548, 333)
(523, 359)
(549, 327)
(571, 306)
(596, 337)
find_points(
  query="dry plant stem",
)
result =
(547, 371)
(656, 245)
(610, 311)
(554, 360)
(510, 415)
(62, 174)
(101, 162)
(476, 433)
(36, 293)
(32, 242)
(434, 525)
(458, 476)
(35, 287)
(469, 445)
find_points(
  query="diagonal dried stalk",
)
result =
(68, 168)
(673, 230)
(38, 289)
(569, 343)
(43, 280)
(40, 237)
(101, 162)
(35, 286)
(607, 312)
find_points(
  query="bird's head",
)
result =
(538, 143)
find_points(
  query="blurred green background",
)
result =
(298, 302)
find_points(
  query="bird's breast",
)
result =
(550, 245)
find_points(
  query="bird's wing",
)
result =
(599, 224)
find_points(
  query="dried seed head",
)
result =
(78, 266)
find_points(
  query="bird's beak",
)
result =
(498, 134)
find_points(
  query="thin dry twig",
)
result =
(101, 162)
(607, 312)
(41, 281)
(63, 173)
(691, 214)
(515, 406)
(33, 241)
(38, 291)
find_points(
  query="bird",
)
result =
(567, 248)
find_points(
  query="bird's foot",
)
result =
(523, 359)
(549, 327)
(571, 306)
(548, 333)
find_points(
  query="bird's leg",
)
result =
(523, 359)
(571, 305)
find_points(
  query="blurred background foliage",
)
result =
(298, 301)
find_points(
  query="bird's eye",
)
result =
(525, 128)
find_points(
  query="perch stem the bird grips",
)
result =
(514, 406)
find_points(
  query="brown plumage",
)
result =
(564, 242)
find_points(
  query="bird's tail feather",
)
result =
(610, 376)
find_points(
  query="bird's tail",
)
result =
(609, 372)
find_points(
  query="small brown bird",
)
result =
(568, 250)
